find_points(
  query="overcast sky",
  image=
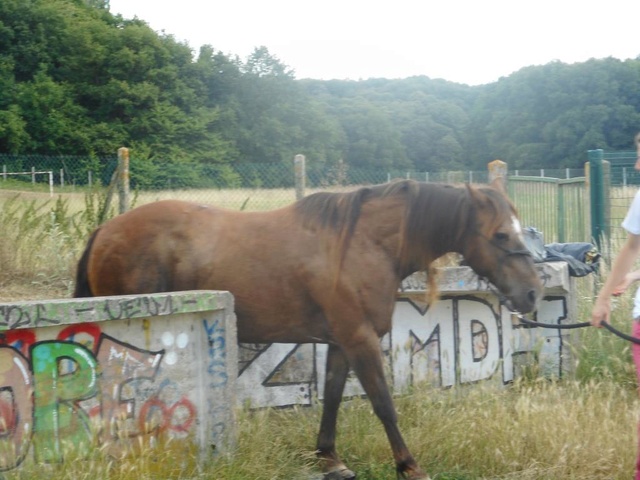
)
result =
(465, 41)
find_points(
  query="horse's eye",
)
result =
(501, 236)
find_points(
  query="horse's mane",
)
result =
(431, 210)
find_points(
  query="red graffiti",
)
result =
(8, 419)
(182, 404)
(71, 333)
(150, 406)
(21, 340)
(184, 411)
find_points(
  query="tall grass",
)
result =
(40, 241)
(530, 431)
(578, 428)
(35, 246)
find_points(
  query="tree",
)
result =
(372, 140)
(276, 119)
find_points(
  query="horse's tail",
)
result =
(83, 289)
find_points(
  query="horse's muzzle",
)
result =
(525, 301)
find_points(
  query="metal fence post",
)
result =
(596, 187)
(123, 179)
(560, 212)
(299, 169)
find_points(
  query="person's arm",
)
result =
(621, 266)
(628, 280)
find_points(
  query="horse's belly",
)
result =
(280, 329)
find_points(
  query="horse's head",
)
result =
(495, 248)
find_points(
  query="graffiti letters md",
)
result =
(461, 339)
(467, 339)
(83, 388)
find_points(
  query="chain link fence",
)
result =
(251, 186)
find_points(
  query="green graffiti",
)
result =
(64, 373)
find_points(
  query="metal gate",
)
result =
(556, 207)
(613, 184)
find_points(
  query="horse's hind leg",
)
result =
(337, 370)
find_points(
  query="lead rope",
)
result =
(567, 326)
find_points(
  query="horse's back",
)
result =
(145, 250)
(174, 245)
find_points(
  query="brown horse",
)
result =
(325, 269)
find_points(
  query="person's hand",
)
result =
(601, 311)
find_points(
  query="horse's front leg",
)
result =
(365, 357)
(337, 369)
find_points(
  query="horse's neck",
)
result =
(438, 228)
(453, 223)
(434, 228)
(382, 221)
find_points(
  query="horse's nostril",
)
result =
(533, 296)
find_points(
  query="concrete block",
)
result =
(116, 371)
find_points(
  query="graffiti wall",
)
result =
(467, 336)
(110, 371)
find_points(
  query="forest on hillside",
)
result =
(77, 80)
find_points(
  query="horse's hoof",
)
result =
(416, 475)
(340, 474)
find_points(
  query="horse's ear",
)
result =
(473, 192)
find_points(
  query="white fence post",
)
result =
(498, 169)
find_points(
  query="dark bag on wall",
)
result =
(534, 242)
(583, 258)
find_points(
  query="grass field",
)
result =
(536, 429)
(235, 199)
(531, 430)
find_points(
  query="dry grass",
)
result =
(235, 199)
(38, 247)
(532, 430)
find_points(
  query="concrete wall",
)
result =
(467, 336)
(115, 370)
